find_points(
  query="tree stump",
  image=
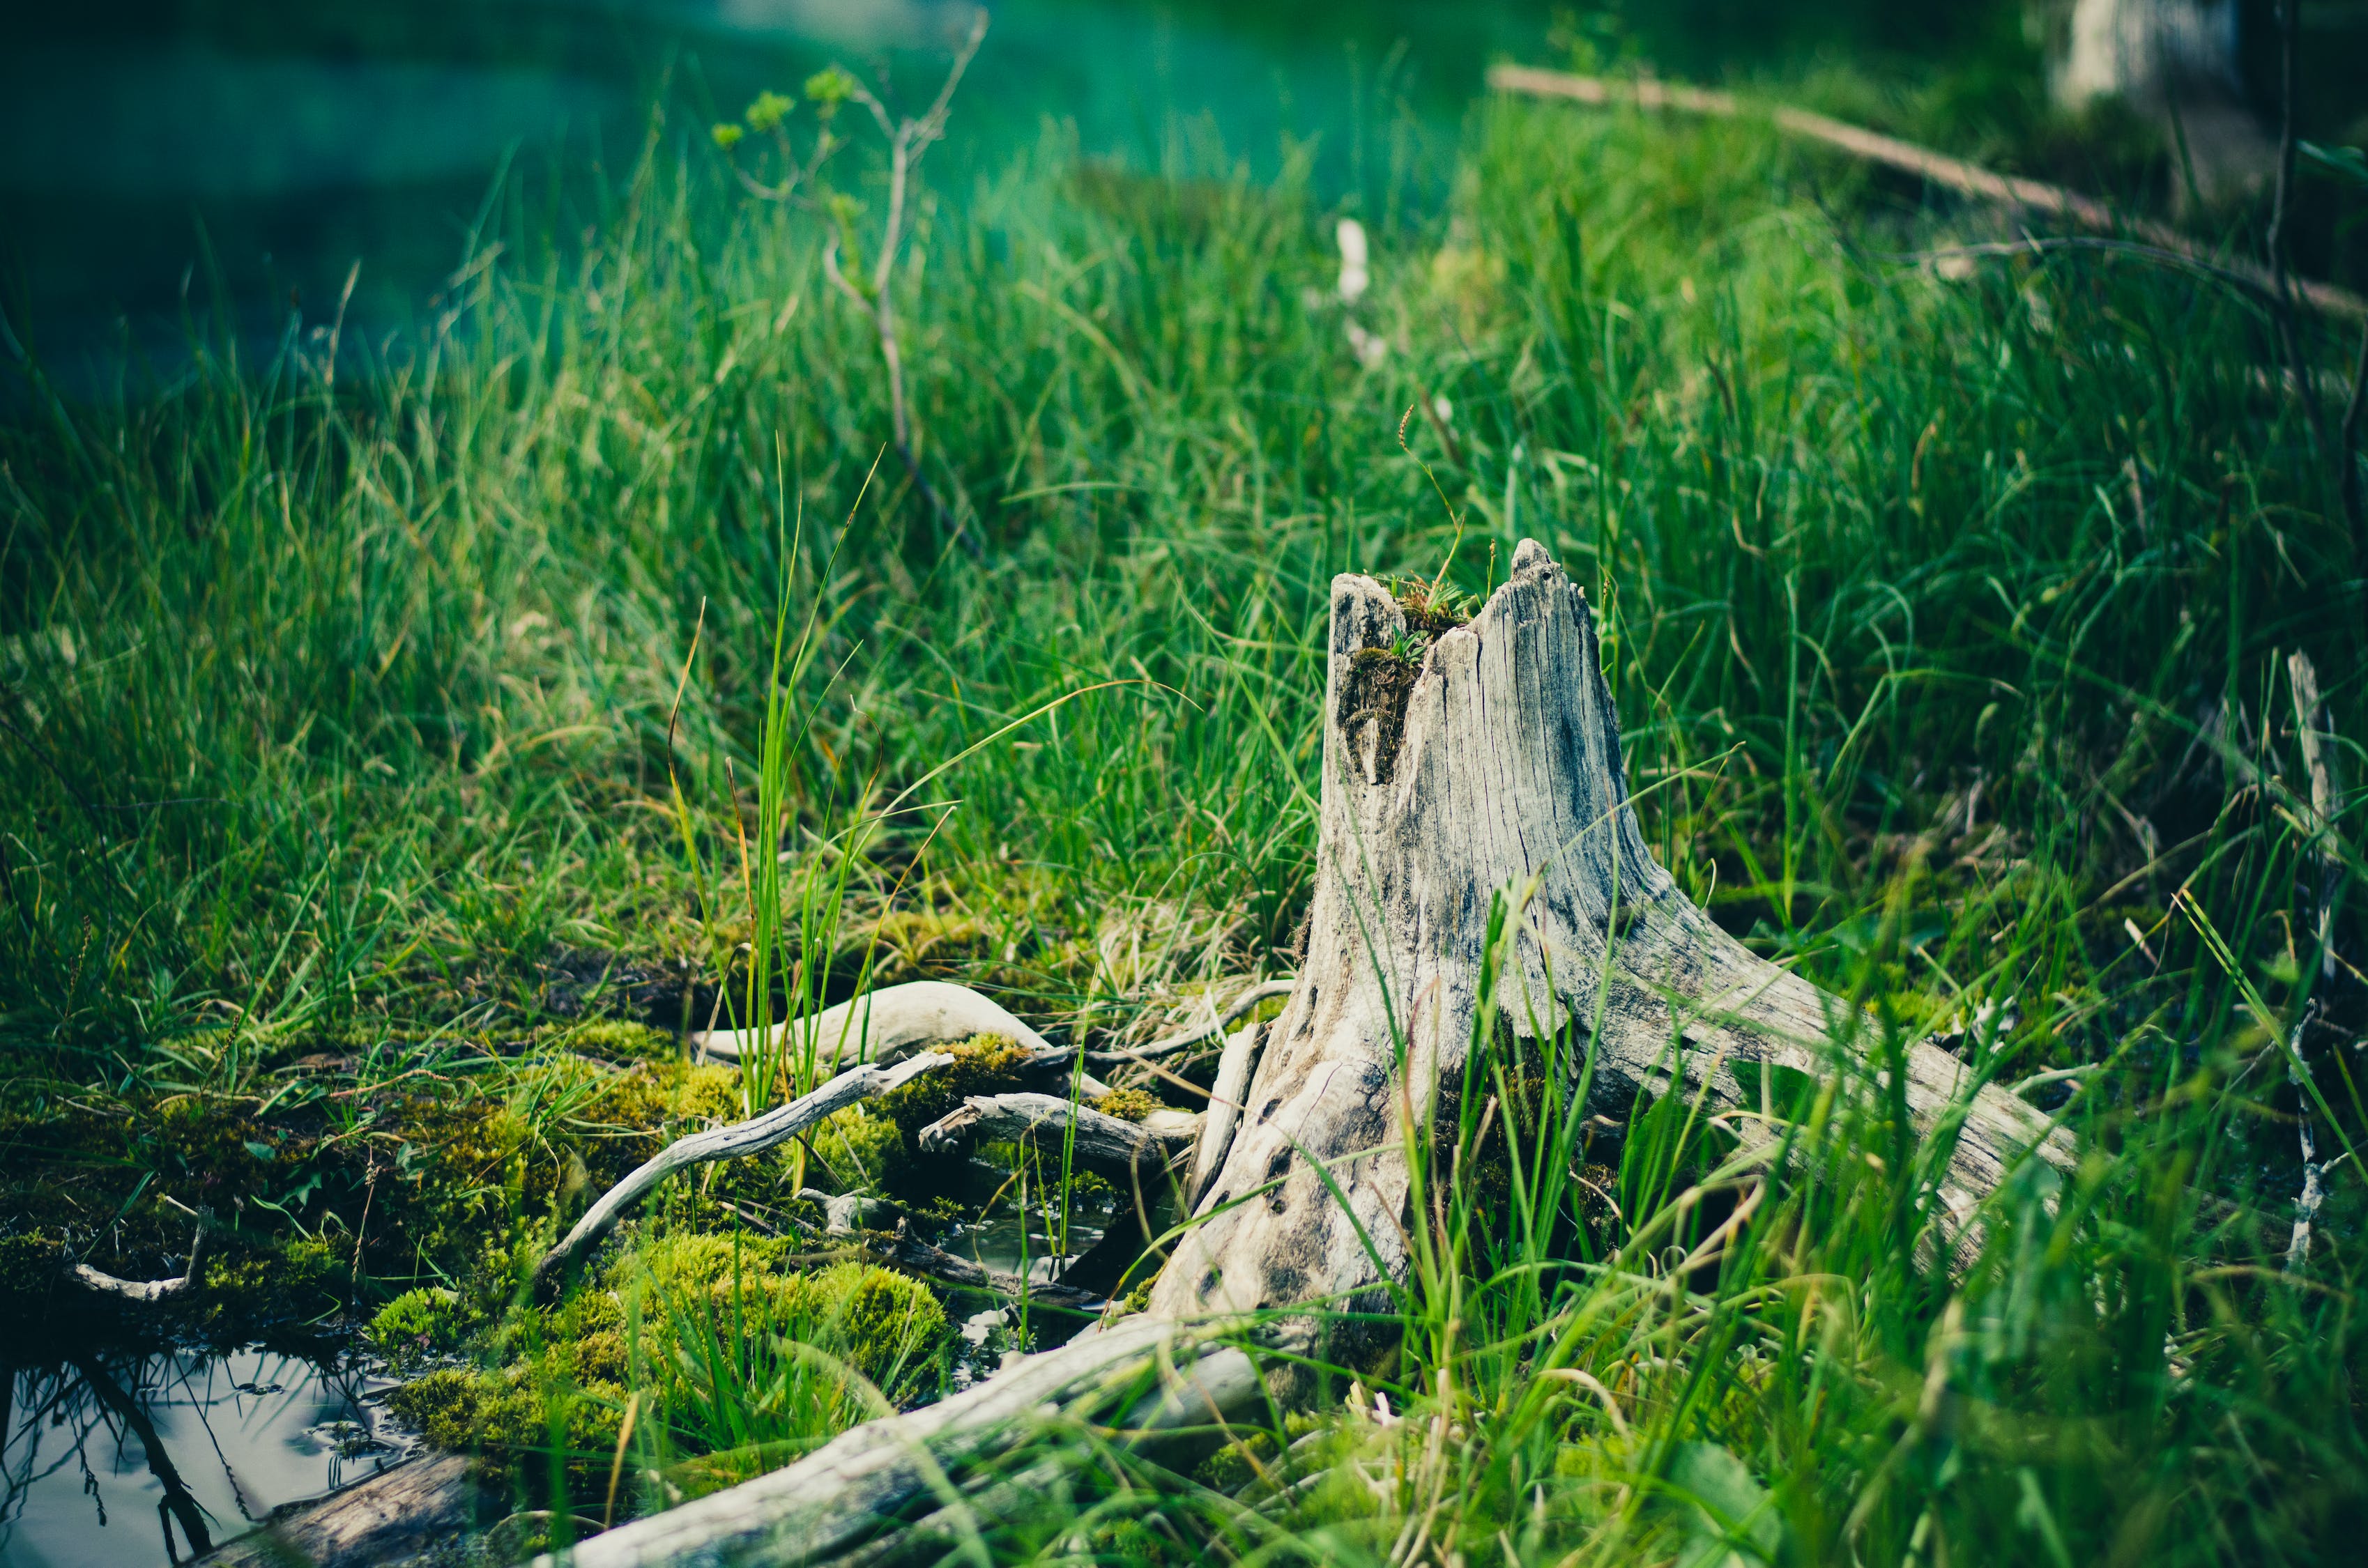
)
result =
(1493, 766)
(1492, 763)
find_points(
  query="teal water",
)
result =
(163, 158)
(160, 158)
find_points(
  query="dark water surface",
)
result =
(163, 156)
(127, 1461)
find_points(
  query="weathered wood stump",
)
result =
(1491, 765)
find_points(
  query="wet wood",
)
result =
(393, 1515)
(1102, 1142)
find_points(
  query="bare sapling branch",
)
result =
(908, 139)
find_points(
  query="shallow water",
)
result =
(125, 1462)
(246, 157)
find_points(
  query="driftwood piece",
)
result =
(1495, 765)
(1104, 1142)
(392, 1515)
(1225, 1114)
(884, 1025)
(1953, 174)
(148, 1291)
(741, 1138)
(913, 1255)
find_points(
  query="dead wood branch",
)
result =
(148, 1291)
(1103, 1142)
(392, 1515)
(1952, 173)
(886, 1025)
(739, 1140)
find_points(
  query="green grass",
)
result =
(1947, 621)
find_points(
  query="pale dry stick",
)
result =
(2310, 718)
(907, 141)
(739, 1140)
(1953, 174)
(146, 1292)
(1225, 1112)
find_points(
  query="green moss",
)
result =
(1127, 1105)
(1233, 1466)
(414, 1325)
(861, 1152)
(982, 1064)
(511, 1413)
(718, 1338)
(620, 1041)
(29, 1274)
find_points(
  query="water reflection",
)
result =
(113, 1461)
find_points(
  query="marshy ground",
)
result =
(400, 762)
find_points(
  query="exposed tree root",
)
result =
(769, 1130)
(1492, 767)
(1102, 1142)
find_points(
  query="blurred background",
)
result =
(159, 156)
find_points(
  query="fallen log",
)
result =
(1492, 763)
(1102, 1142)
(1953, 174)
(739, 1140)
(395, 1514)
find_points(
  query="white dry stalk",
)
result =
(2310, 716)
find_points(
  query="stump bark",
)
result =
(1495, 766)
(1492, 763)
